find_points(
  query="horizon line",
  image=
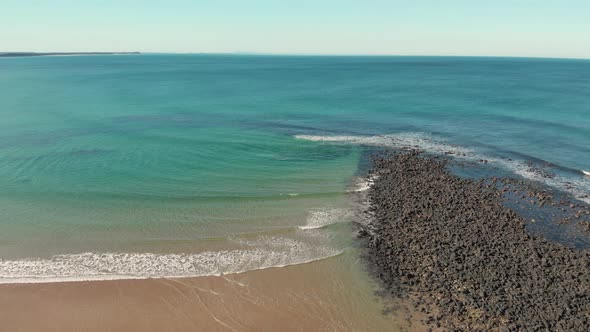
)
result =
(237, 53)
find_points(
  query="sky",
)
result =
(539, 28)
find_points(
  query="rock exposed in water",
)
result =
(453, 248)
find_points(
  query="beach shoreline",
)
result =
(327, 294)
(412, 295)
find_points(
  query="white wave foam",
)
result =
(265, 252)
(578, 187)
(402, 141)
(324, 217)
(363, 184)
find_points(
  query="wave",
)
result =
(577, 186)
(324, 217)
(402, 141)
(363, 184)
(265, 252)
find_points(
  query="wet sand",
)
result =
(332, 294)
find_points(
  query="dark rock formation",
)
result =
(462, 257)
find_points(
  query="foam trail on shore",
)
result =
(324, 217)
(363, 184)
(579, 187)
(262, 253)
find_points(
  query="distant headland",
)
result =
(27, 54)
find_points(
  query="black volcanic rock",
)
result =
(452, 247)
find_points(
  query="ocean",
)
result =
(169, 165)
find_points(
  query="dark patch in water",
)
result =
(316, 152)
(548, 218)
(74, 153)
(86, 152)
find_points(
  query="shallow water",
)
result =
(185, 165)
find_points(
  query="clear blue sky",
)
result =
(552, 28)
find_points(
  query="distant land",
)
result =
(23, 54)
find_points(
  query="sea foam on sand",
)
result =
(261, 253)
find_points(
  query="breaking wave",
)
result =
(363, 184)
(577, 186)
(324, 217)
(402, 141)
(264, 252)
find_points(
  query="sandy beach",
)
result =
(313, 296)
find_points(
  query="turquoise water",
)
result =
(151, 165)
